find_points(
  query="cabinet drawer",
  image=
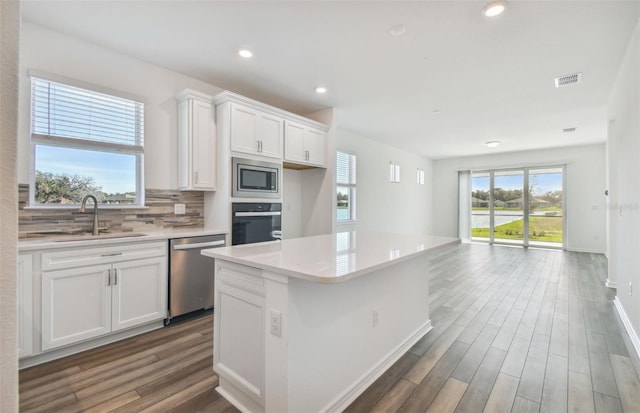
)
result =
(78, 257)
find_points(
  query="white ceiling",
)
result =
(491, 79)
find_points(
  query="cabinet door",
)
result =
(25, 306)
(270, 136)
(244, 129)
(204, 146)
(315, 145)
(139, 292)
(76, 305)
(294, 142)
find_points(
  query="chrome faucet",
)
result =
(83, 208)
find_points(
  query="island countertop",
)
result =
(331, 258)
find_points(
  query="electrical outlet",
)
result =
(179, 209)
(375, 318)
(276, 323)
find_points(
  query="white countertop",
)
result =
(66, 241)
(333, 257)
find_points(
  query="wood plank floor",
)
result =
(514, 331)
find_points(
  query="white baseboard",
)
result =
(586, 250)
(635, 340)
(610, 284)
(237, 397)
(352, 392)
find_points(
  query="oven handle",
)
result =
(199, 245)
(258, 214)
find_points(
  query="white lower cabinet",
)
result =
(76, 305)
(25, 305)
(139, 294)
(93, 300)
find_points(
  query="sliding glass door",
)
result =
(503, 211)
(508, 206)
(480, 212)
(546, 215)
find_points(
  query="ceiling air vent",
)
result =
(568, 80)
(568, 130)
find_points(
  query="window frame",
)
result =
(351, 186)
(36, 140)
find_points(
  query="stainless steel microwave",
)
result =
(255, 179)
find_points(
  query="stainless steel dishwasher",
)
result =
(191, 274)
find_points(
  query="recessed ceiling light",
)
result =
(493, 9)
(492, 144)
(397, 30)
(436, 112)
(246, 53)
(321, 90)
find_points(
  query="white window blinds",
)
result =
(345, 187)
(345, 168)
(68, 112)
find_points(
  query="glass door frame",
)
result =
(525, 208)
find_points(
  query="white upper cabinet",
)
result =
(255, 132)
(304, 145)
(294, 149)
(196, 142)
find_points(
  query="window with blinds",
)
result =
(346, 187)
(85, 142)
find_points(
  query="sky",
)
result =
(543, 182)
(114, 172)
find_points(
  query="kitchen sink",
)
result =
(107, 235)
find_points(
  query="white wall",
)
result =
(318, 185)
(403, 207)
(292, 204)
(52, 52)
(9, 42)
(584, 192)
(624, 175)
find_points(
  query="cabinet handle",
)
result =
(196, 177)
(306, 154)
(111, 254)
(115, 276)
(108, 277)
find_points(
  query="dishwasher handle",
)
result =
(219, 243)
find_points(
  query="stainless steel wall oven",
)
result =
(256, 222)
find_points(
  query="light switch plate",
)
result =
(276, 323)
(179, 209)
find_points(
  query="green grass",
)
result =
(547, 229)
(550, 208)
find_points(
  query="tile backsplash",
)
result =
(158, 214)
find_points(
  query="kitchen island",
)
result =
(307, 324)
